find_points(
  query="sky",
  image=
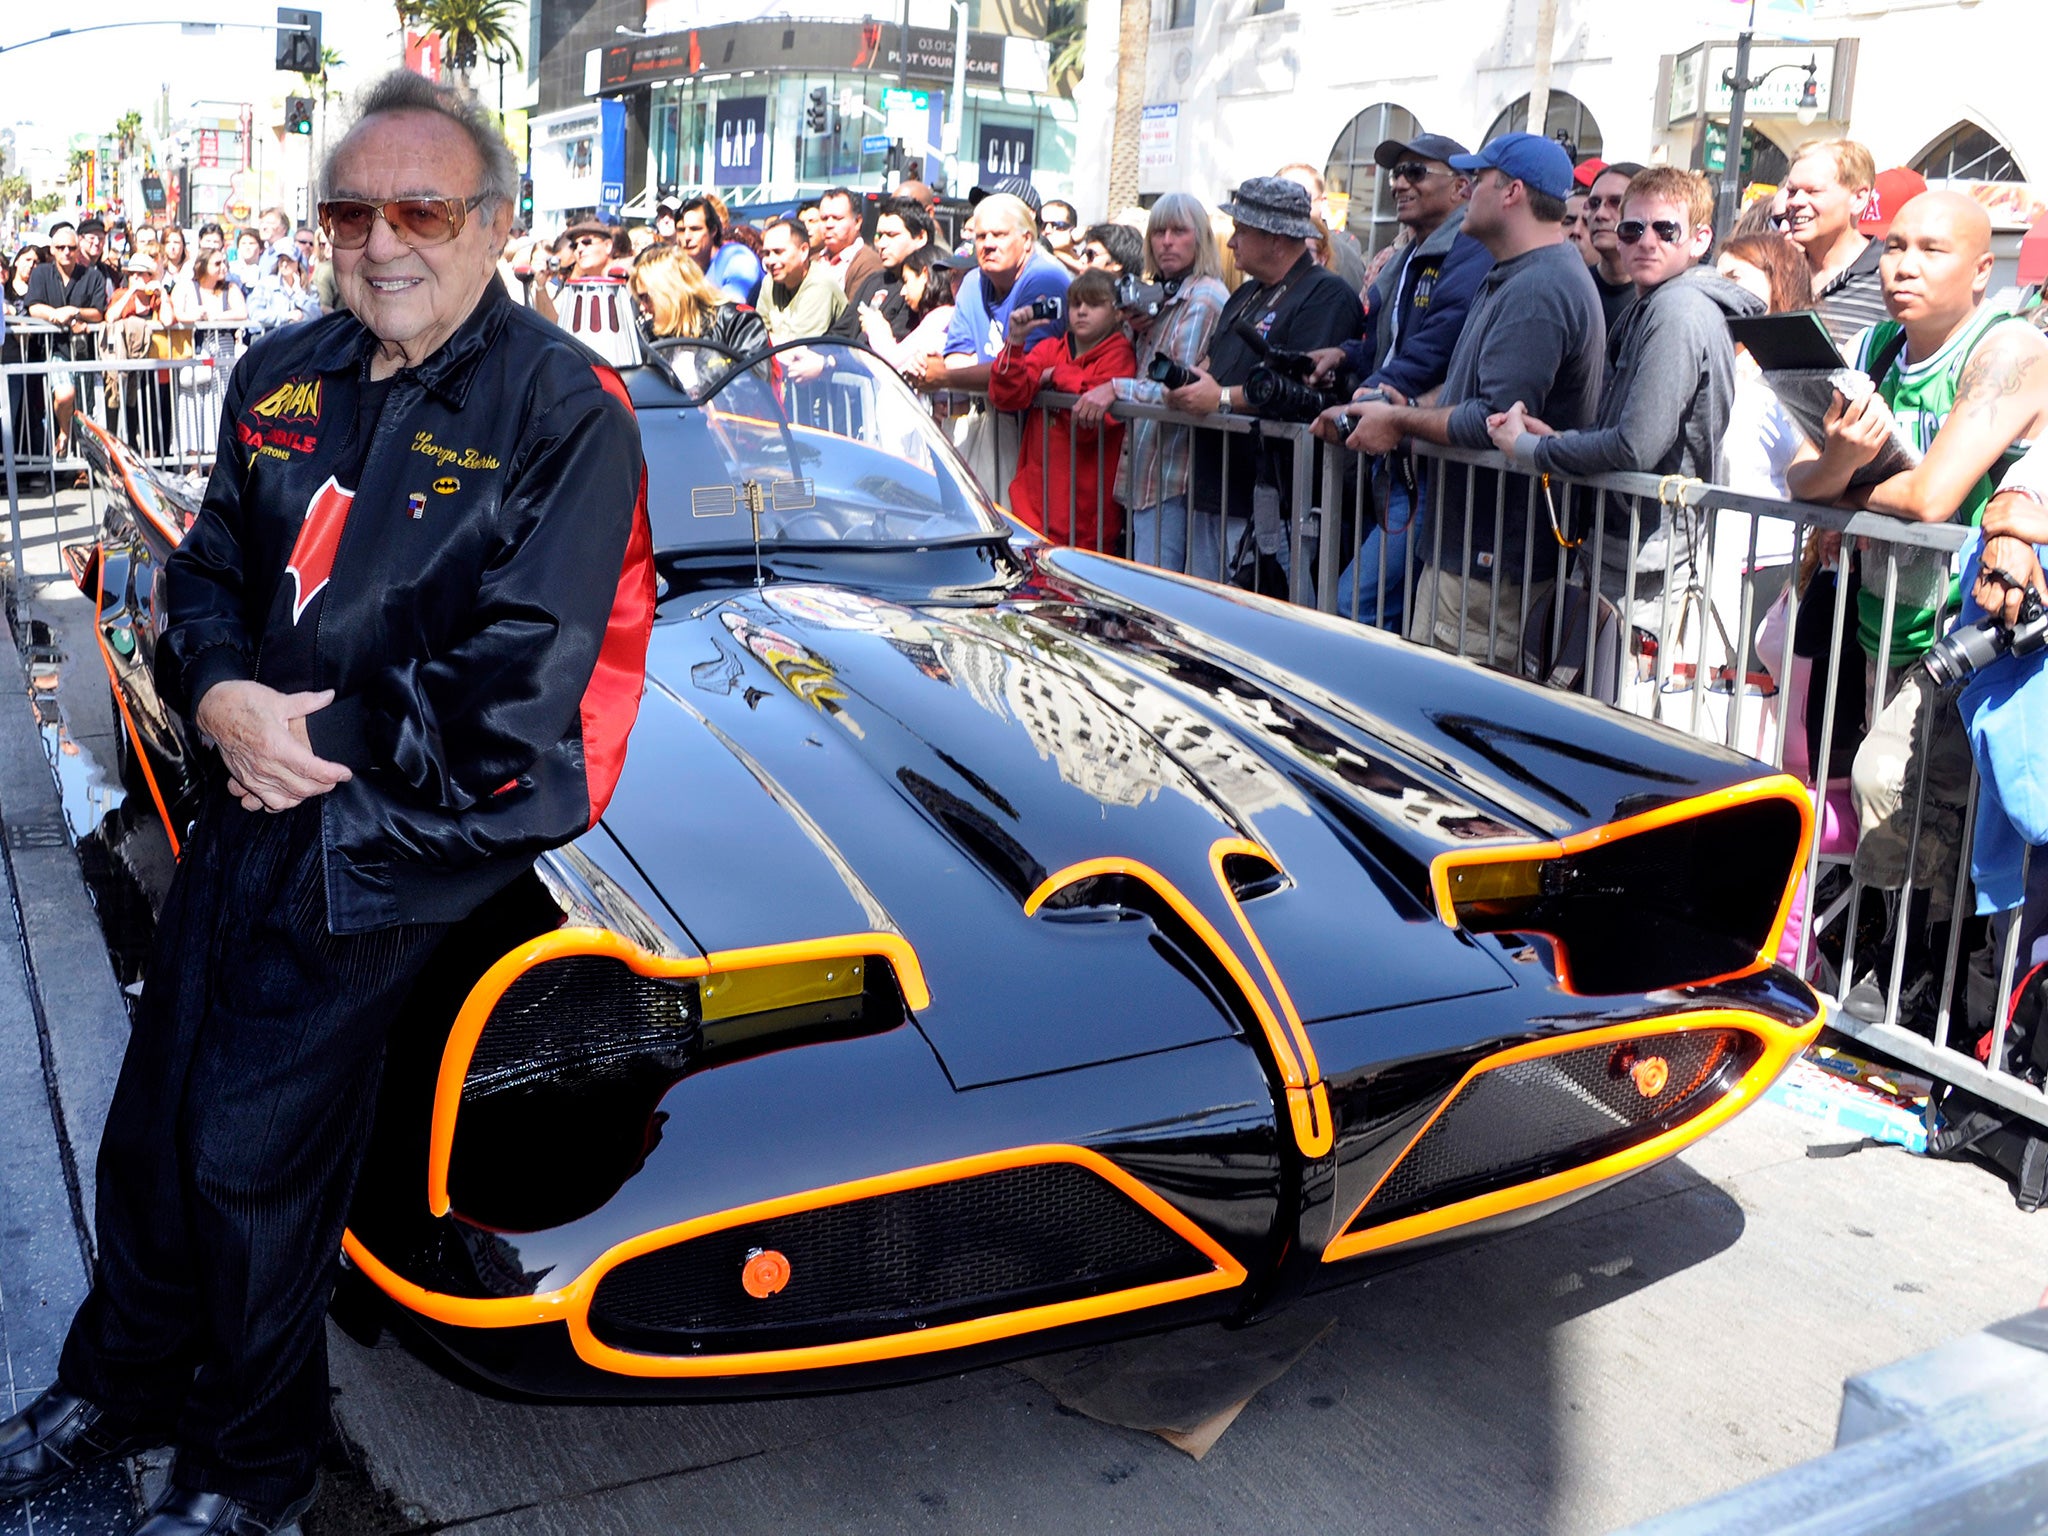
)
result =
(81, 84)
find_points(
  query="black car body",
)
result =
(993, 946)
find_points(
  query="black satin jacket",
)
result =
(490, 589)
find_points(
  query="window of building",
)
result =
(1358, 190)
(1566, 120)
(1178, 15)
(1268, 7)
(1968, 153)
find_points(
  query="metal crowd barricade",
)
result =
(1308, 560)
(1648, 593)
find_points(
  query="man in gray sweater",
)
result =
(1670, 383)
(1535, 332)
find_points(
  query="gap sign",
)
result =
(742, 131)
(1006, 151)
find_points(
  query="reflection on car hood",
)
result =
(811, 760)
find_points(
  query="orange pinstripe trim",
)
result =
(1308, 1101)
(1309, 1107)
(571, 1303)
(99, 600)
(483, 997)
(1781, 1042)
(119, 461)
(1777, 786)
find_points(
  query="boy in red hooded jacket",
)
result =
(1062, 465)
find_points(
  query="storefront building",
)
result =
(765, 112)
(1239, 87)
(773, 110)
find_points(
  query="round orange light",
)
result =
(765, 1273)
(1651, 1074)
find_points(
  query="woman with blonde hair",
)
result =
(676, 299)
(1173, 323)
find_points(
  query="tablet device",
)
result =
(1795, 340)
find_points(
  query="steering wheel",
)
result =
(799, 525)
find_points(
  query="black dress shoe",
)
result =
(55, 1436)
(188, 1512)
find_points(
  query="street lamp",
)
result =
(1740, 83)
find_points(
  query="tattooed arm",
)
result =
(2001, 398)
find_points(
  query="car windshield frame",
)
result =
(825, 456)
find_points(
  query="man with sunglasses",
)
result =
(1415, 311)
(408, 628)
(1059, 227)
(1611, 274)
(72, 292)
(1534, 329)
(1669, 387)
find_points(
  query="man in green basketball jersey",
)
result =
(1968, 388)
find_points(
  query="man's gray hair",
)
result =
(404, 91)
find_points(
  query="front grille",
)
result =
(582, 1019)
(1523, 1121)
(995, 1242)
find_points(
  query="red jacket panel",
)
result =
(1058, 455)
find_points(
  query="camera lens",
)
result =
(1955, 656)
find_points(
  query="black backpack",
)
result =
(2015, 1145)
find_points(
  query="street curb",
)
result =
(80, 1015)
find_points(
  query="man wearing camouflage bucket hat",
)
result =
(1294, 306)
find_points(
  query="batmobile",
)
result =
(993, 947)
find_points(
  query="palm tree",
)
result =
(1133, 34)
(316, 79)
(1066, 40)
(471, 30)
(126, 127)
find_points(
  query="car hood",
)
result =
(811, 760)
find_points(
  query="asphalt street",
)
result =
(1677, 1336)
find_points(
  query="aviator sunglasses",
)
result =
(1629, 231)
(415, 220)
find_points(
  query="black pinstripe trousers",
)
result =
(230, 1154)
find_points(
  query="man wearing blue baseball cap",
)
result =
(1535, 331)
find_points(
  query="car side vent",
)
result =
(1526, 1119)
(582, 1019)
(970, 1247)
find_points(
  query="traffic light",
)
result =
(298, 41)
(817, 114)
(298, 114)
(526, 201)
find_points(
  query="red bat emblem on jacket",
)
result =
(312, 559)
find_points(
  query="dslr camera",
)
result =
(1164, 370)
(1279, 389)
(1135, 296)
(1955, 657)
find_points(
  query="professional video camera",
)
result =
(1279, 389)
(1956, 656)
(1164, 370)
(1135, 296)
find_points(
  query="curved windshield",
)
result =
(816, 443)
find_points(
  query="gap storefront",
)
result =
(735, 108)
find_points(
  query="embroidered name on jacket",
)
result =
(312, 559)
(451, 458)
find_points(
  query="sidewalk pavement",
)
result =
(62, 1030)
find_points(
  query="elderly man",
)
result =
(1014, 278)
(274, 225)
(409, 626)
